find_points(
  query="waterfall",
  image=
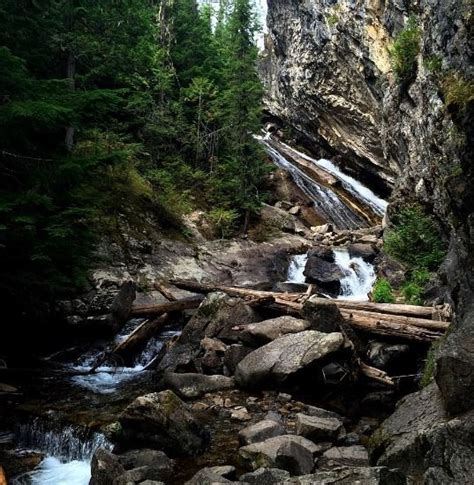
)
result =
(326, 200)
(353, 186)
(296, 268)
(360, 276)
(69, 451)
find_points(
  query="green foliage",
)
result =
(433, 64)
(332, 20)
(458, 91)
(405, 49)
(382, 292)
(224, 221)
(414, 239)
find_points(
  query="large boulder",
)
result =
(288, 452)
(265, 476)
(286, 356)
(422, 440)
(191, 386)
(318, 428)
(277, 218)
(263, 332)
(356, 456)
(455, 365)
(365, 251)
(234, 354)
(145, 464)
(105, 468)
(212, 475)
(351, 476)
(260, 431)
(215, 317)
(161, 420)
(326, 275)
(323, 315)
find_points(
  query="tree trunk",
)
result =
(172, 306)
(376, 374)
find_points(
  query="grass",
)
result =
(382, 292)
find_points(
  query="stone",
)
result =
(268, 330)
(213, 344)
(365, 251)
(276, 218)
(265, 476)
(352, 456)
(326, 275)
(260, 432)
(286, 287)
(295, 210)
(240, 414)
(352, 476)
(105, 468)
(318, 428)
(386, 356)
(212, 475)
(191, 386)
(422, 440)
(273, 416)
(322, 413)
(146, 463)
(284, 357)
(294, 452)
(322, 315)
(323, 229)
(163, 421)
(284, 397)
(391, 270)
(234, 354)
(215, 318)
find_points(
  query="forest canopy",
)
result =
(111, 110)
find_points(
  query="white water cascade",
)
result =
(296, 268)
(69, 453)
(360, 276)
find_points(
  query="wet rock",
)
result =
(285, 356)
(265, 476)
(323, 315)
(180, 357)
(105, 468)
(353, 456)
(234, 354)
(18, 461)
(163, 421)
(365, 251)
(240, 414)
(263, 332)
(351, 476)
(212, 475)
(422, 440)
(322, 252)
(318, 428)
(260, 432)
(326, 275)
(386, 356)
(291, 452)
(216, 317)
(146, 464)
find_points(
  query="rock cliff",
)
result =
(329, 76)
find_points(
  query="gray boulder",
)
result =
(294, 453)
(353, 456)
(105, 468)
(265, 476)
(260, 431)
(285, 356)
(422, 440)
(145, 464)
(234, 354)
(268, 330)
(163, 421)
(212, 475)
(326, 275)
(351, 476)
(365, 251)
(317, 428)
(323, 315)
(384, 356)
(191, 386)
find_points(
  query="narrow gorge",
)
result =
(316, 329)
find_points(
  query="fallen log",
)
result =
(164, 290)
(400, 319)
(388, 328)
(172, 306)
(376, 374)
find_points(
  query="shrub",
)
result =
(414, 239)
(433, 64)
(458, 91)
(224, 221)
(382, 292)
(405, 49)
(412, 293)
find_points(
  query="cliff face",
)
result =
(327, 74)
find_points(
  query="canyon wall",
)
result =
(328, 75)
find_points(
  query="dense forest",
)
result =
(113, 110)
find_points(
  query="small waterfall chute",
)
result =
(360, 276)
(296, 268)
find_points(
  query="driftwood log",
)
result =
(171, 306)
